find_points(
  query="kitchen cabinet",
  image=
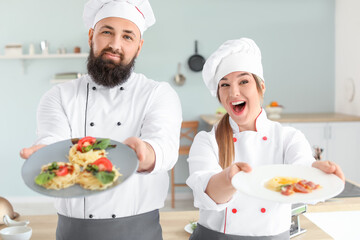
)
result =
(340, 141)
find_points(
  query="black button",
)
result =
(118, 123)
(113, 216)
(121, 88)
(92, 124)
(91, 216)
(94, 88)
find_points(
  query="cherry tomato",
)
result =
(300, 188)
(62, 171)
(287, 190)
(104, 164)
(85, 141)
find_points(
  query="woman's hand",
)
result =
(235, 168)
(329, 167)
(25, 153)
(219, 187)
(144, 152)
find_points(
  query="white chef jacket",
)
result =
(244, 215)
(140, 107)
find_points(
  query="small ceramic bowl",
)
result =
(273, 112)
(16, 233)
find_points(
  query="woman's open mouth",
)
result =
(238, 106)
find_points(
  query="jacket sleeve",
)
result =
(161, 127)
(203, 164)
(52, 123)
(297, 149)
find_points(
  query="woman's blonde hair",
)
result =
(224, 133)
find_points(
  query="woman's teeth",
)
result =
(237, 103)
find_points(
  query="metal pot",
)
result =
(179, 78)
(6, 209)
(196, 62)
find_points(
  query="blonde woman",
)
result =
(244, 138)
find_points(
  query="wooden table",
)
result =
(173, 223)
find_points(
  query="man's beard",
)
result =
(106, 72)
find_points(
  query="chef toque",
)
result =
(137, 11)
(234, 55)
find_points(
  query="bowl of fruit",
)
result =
(274, 110)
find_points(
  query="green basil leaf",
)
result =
(87, 148)
(105, 177)
(53, 166)
(44, 177)
(101, 144)
(112, 146)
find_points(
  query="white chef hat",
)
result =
(234, 55)
(137, 11)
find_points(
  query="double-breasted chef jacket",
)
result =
(141, 107)
(244, 215)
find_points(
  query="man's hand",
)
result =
(329, 167)
(144, 152)
(25, 153)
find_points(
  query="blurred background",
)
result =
(309, 49)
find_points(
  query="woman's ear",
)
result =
(263, 88)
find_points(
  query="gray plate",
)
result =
(122, 157)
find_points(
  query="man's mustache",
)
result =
(112, 51)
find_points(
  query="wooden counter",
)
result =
(173, 223)
(211, 119)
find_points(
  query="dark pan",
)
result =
(196, 62)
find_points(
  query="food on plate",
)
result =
(289, 185)
(98, 175)
(87, 150)
(58, 175)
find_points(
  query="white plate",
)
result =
(122, 157)
(188, 228)
(253, 183)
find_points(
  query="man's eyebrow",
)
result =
(107, 26)
(240, 75)
(130, 32)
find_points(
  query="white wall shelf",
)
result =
(23, 58)
(45, 56)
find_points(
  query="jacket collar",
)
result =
(124, 85)
(261, 123)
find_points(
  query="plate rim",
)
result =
(304, 198)
(83, 192)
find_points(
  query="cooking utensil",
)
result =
(179, 78)
(196, 62)
(122, 157)
(11, 223)
(6, 209)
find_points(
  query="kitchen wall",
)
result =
(296, 38)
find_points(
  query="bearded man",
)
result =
(112, 101)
